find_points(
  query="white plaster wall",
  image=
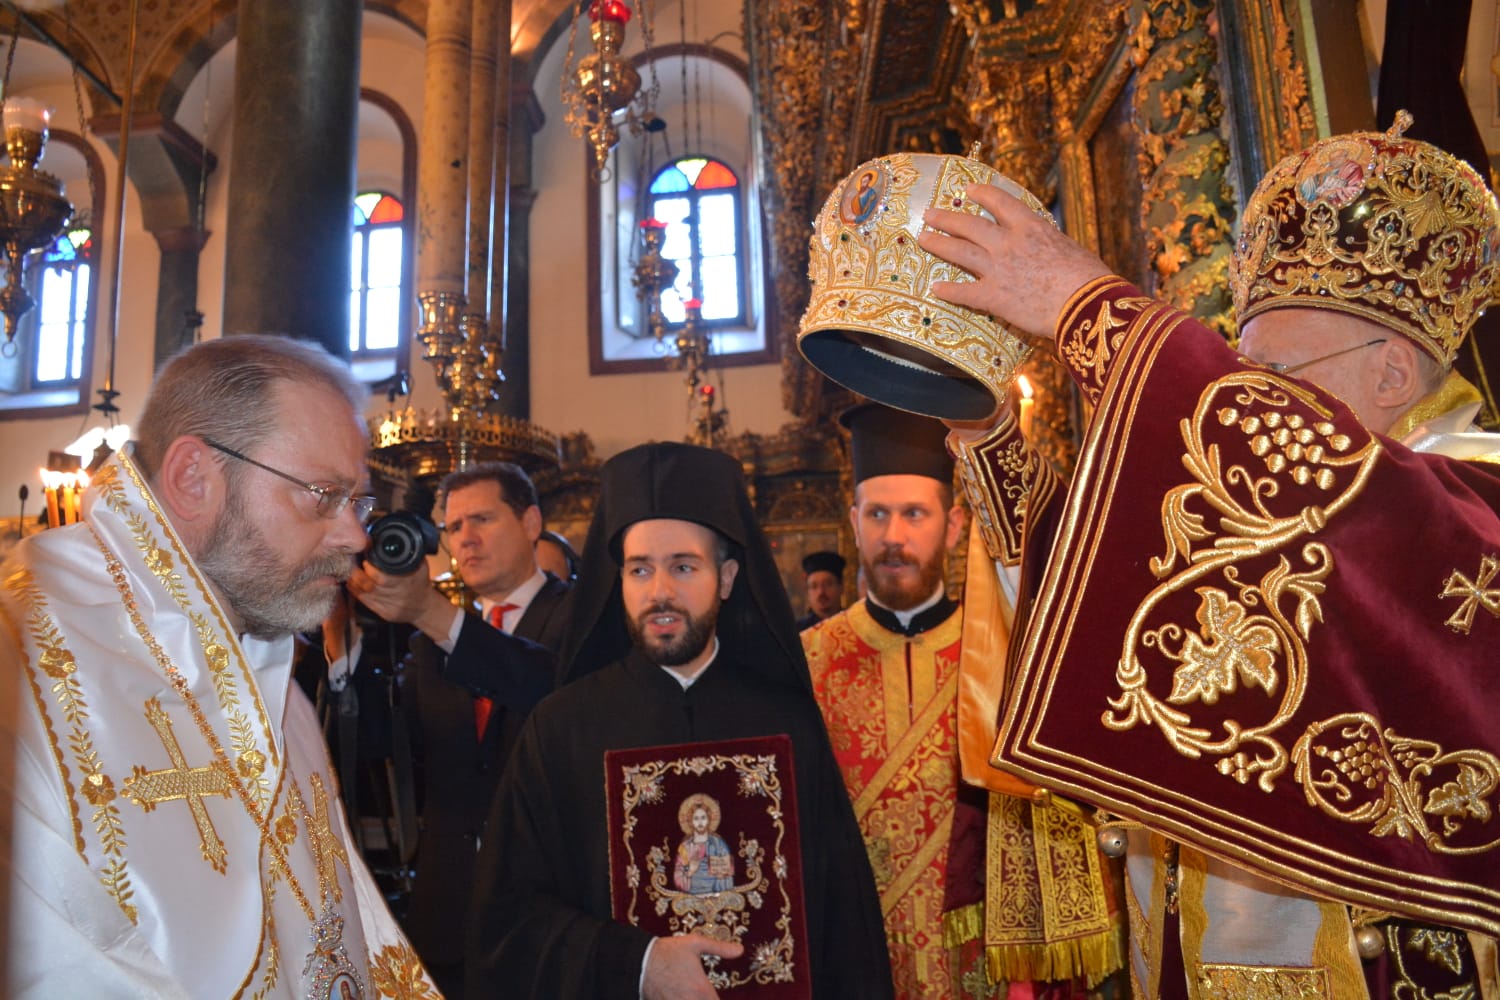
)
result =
(617, 411)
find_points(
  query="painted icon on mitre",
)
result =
(870, 323)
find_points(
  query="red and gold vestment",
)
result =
(1276, 634)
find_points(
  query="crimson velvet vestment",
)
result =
(1268, 635)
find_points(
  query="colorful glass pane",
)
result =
(670, 181)
(364, 205)
(388, 209)
(691, 167)
(715, 175)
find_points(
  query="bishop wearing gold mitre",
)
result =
(1265, 619)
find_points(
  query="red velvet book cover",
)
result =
(703, 837)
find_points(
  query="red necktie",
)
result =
(483, 705)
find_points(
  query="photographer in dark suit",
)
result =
(474, 675)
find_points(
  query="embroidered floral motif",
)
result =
(1437, 945)
(97, 788)
(1268, 471)
(1229, 648)
(1256, 982)
(1354, 771)
(396, 973)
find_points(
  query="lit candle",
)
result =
(609, 10)
(49, 487)
(1027, 402)
(75, 496)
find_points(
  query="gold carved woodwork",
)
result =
(791, 43)
(1282, 100)
(1188, 209)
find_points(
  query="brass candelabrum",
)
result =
(33, 208)
(692, 343)
(426, 445)
(603, 83)
(653, 275)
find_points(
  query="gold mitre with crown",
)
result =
(1374, 224)
(871, 325)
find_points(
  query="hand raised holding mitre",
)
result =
(1025, 269)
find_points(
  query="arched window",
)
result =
(376, 302)
(63, 273)
(699, 200)
(698, 176)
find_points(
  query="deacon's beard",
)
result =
(892, 593)
(697, 632)
(269, 597)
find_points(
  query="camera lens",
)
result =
(401, 542)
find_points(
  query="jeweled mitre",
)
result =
(871, 325)
(1377, 225)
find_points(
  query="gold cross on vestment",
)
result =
(325, 843)
(147, 789)
(1474, 593)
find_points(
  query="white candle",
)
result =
(1027, 402)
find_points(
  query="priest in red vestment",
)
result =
(886, 674)
(1264, 620)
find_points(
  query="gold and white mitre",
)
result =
(871, 325)
(176, 830)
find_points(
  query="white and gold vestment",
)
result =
(174, 826)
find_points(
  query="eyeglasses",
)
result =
(1281, 368)
(331, 499)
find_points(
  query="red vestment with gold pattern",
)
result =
(891, 704)
(1276, 632)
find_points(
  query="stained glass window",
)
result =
(699, 200)
(62, 301)
(376, 298)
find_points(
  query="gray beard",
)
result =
(269, 597)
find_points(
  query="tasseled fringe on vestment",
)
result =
(1092, 957)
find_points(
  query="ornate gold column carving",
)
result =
(800, 51)
(1188, 209)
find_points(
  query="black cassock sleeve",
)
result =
(531, 932)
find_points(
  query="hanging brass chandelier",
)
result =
(33, 209)
(602, 90)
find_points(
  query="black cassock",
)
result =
(541, 922)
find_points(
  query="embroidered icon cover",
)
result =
(703, 837)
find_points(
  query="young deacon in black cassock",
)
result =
(541, 922)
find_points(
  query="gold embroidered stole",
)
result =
(1050, 907)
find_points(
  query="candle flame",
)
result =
(1024, 385)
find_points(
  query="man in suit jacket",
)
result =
(474, 675)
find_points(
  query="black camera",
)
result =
(401, 542)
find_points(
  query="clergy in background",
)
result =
(683, 634)
(823, 575)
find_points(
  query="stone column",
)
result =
(482, 156)
(515, 399)
(500, 244)
(177, 288)
(442, 168)
(291, 185)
